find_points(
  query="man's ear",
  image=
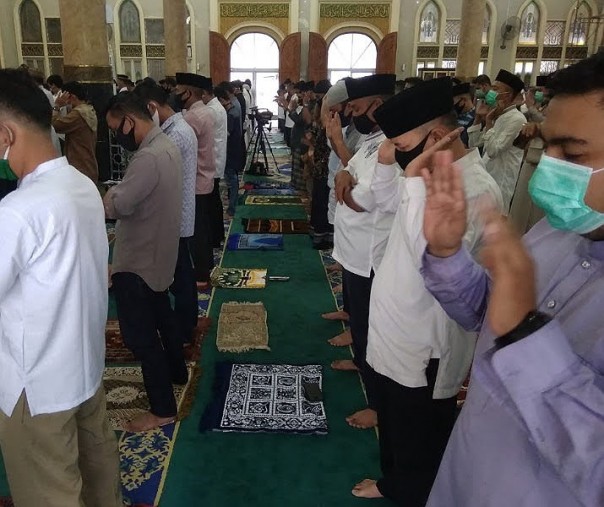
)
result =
(438, 133)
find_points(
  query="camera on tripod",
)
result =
(262, 116)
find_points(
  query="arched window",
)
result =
(130, 23)
(351, 55)
(486, 26)
(428, 24)
(255, 56)
(31, 24)
(529, 24)
(579, 25)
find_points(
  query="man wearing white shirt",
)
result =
(496, 126)
(57, 445)
(419, 355)
(361, 229)
(220, 153)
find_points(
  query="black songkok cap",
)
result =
(415, 106)
(309, 86)
(299, 85)
(322, 86)
(378, 84)
(542, 81)
(194, 80)
(123, 77)
(513, 81)
(461, 89)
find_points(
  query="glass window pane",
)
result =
(428, 24)
(254, 51)
(486, 26)
(130, 25)
(55, 66)
(518, 68)
(351, 51)
(31, 25)
(529, 25)
(554, 33)
(154, 31)
(156, 68)
(577, 34)
(528, 67)
(53, 30)
(188, 23)
(480, 68)
(452, 31)
(266, 85)
(548, 66)
(449, 64)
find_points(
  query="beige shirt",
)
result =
(148, 205)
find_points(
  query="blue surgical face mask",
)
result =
(558, 187)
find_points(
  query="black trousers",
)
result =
(203, 254)
(147, 326)
(184, 290)
(287, 136)
(319, 205)
(414, 431)
(217, 215)
(357, 295)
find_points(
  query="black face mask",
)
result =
(126, 141)
(344, 120)
(459, 107)
(180, 101)
(404, 158)
(363, 123)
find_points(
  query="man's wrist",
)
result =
(442, 252)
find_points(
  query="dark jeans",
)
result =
(232, 180)
(357, 295)
(414, 431)
(147, 326)
(184, 290)
(203, 254)
(287, 136)
(320, 203)
(217, 215)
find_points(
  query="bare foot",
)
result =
(367, 489)
(334, 267)
(147, 421)
(337, 288)
(339, 315)
(344, 365)
(342, 340)
(363, 419)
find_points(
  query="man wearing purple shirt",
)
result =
(531, 432)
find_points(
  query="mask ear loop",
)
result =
(10, 138)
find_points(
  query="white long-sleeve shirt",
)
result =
(220, 135)
(360, 237)
(407, 326)
(502, 158)
(53, 290)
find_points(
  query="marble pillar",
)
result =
(304, 28)
(470, 37)
(86, 59)
(175, 36)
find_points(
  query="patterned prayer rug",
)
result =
(273, 191)
(238, 278)
(264, 398)
(266, 185)
(334, 278)
(275, 226)
(274, 200)
(242, 327)
(127, 398)
(255, 242)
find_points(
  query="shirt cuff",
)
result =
(474, 128)
(447, 268)
(363, 197)
(536, 363)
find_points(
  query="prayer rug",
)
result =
(274, 200)
(275, 226)
(242, 327)
(334, 278)
(264, 398)
(266, 185)
(238, 278)
(255, 242)
(126, 395)
(273, 191)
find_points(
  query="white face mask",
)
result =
(156, 118)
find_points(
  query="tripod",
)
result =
(260, 142)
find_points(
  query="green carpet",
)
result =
(264, 470)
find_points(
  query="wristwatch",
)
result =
(533, 321)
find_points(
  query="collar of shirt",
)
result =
(153, 133)
(373, 135)
(165, 126)
(513, 107)
(42, 168)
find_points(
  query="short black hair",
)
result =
(580, 78)
(227, 86)
(222, 93)
(55, 80)
(248, 82)
(128, 103)
(483, 79)
(77, 89)
(22, 99)
(170, 81)
(151, 92)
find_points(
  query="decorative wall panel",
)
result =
(220, 58)
(376, 14)
(289, 58)
(317, 57)
(386, 55)
(233, 14)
